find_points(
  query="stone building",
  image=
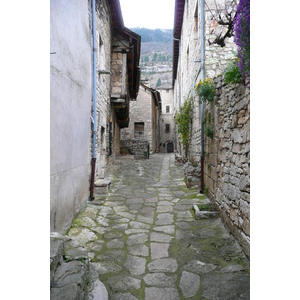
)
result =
(187, 57)
(144, 119)
(224, 159)
(91, 85)
(167, 124)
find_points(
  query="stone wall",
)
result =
(143, 110)
(139, 148)
(188, 73)
(227, 153)
(227, 158)
(119, 66)
(103, 34)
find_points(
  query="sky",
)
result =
(149, 14)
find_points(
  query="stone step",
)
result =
(72, 276)
(203, 214)
(56, 253)
(102, 186)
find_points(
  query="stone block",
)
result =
(244, 208)
(160, 280)
(234, 216)
(70, 273)
(246, 226)
(244, 184)
(69, 291)
(163, 265)
(189, 284)
(154, 293)
(102, 186)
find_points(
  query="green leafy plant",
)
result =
(208, 129)
(205, 190)
(206, 89)
(232, 73)
(123, 150)
(183, 121)
(204, 207)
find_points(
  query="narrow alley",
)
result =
(143, 240)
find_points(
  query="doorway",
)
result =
(170, 147)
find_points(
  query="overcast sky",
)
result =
(149, 14)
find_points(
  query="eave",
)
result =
(178, 19)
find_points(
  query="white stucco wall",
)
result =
(70, 110)
(167, 99)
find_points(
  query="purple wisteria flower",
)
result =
(241, 25)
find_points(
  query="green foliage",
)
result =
(158, 82)
(232, 73)
(154, 57)
(205, 190)
(204, 207)
(208, 131)
(208, 128)
(206, 89)
(183, 121)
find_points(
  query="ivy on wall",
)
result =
(208, 127)
(183, 121)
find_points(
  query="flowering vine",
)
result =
(241, 25)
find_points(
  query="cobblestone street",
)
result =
(145, 243)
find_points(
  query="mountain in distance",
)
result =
(156, 60)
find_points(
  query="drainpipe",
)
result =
(179, 79)
(94, 118)
(202, 103)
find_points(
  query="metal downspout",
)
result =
(179, 79)
(202, 103)
(94, 121)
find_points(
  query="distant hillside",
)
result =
(156, 55)
(154, 35)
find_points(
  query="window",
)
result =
(167, 91)
(139, 130)
(196, 20)
(167, 109)
(167, 128)
(196, 24)
(187, 58)
(101, 54)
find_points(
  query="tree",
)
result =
(154, 57)
(158, 82)
(224, 18)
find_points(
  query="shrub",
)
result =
(206, 89)
(232, 73)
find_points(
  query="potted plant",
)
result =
(123, 151)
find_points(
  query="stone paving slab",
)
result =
(145, 243)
